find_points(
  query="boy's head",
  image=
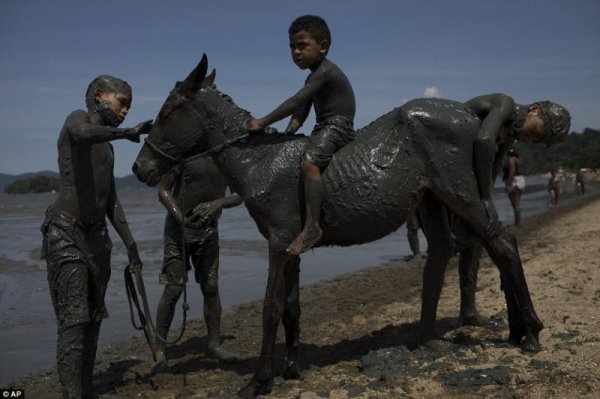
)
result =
(104, 84)
(110, 98)
(313, 24)
(309, 40)
(557, 122)
(546, 122)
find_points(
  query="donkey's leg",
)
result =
(262, 380)
(291, 318)
(434, 222)
(502, 247)
(468, 267)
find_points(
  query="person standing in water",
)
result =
(514, 182)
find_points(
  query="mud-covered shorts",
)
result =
(78, 261)
(202, 249)
(328, 137)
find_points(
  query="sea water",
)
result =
(27, 321)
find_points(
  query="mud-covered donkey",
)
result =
(418, 155)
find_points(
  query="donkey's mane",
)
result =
(232, 107)
(230, 111)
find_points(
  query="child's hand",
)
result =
(144, 127)
(256, 125)
(293, 127)
(134, 133)
(205, 213)
(134, 257)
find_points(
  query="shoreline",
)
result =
(348, 318)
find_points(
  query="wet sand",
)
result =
(359, 333)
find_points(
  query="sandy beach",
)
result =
(359, 333)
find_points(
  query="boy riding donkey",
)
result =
(328, 89)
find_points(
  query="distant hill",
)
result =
(127, 182)
(6, 179)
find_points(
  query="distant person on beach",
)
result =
(76, 244)
(193, 193)
(579, 183)
(329, 91)
(554, 188)
(412, 235)
(514, 182)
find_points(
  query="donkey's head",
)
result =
(190, 122)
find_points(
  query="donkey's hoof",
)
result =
(531, 344)
(255, 388)
(472, 319)
(292, 371)
(517, 333)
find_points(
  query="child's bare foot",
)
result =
(223, 355)
(305, 240)
(161, 365)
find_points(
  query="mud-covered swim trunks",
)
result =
(202, 247)
(78, 259)
(327, 137)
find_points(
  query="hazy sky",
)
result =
(392, 52)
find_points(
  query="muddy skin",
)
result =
(194, 187)
(314, 192)
(554, 188)
(418, 151)
(412, 235)
(76, 244)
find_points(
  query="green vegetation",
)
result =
(33, 184)
(579, 150)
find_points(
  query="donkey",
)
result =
(416, 156)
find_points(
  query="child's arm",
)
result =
(165, 195)
(494, 110)
(298, 119)
(82, 131)
(204, 212)
(116, 216)
(299, 102)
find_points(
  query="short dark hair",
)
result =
(106, 84)
(557, 122)
(312, 24)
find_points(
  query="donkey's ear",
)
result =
(210, 79)
(196, 77)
